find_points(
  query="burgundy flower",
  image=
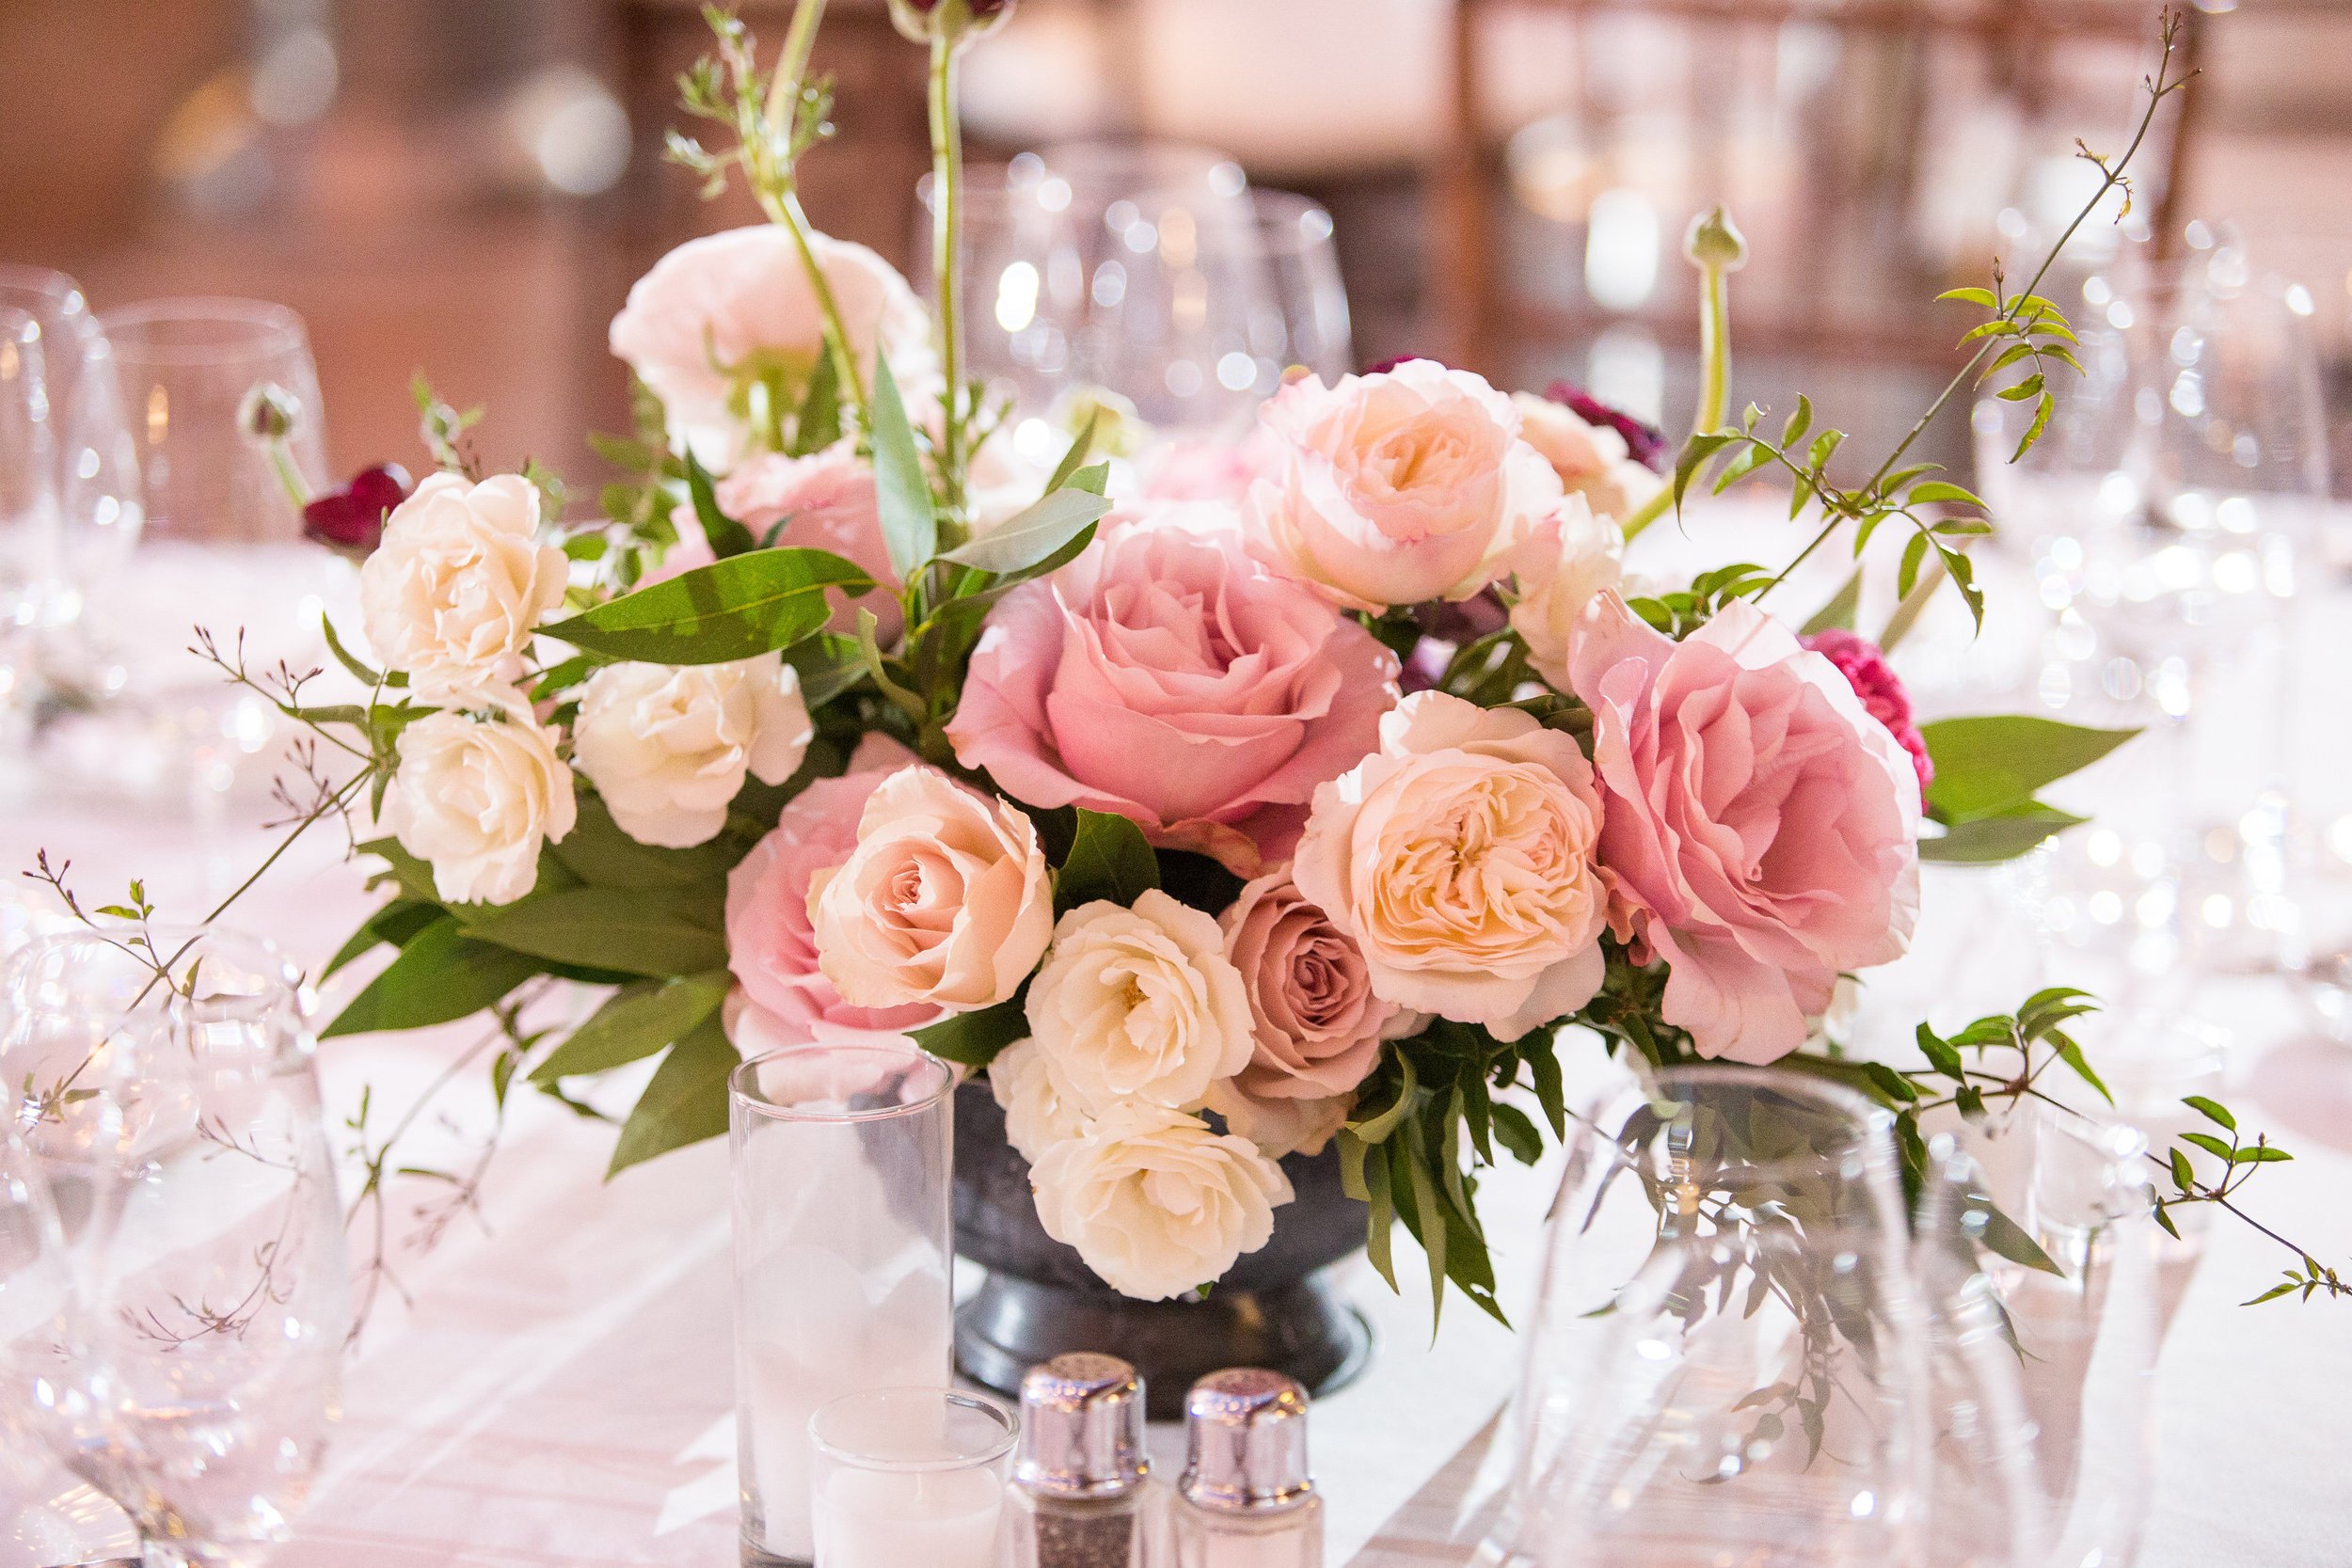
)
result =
(352, 518)
(1643, 443)
(1865, 668)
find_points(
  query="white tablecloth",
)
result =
(554, 1390)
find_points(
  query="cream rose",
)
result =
(1592, 460)
(1037, 1117)
(1586, 560)
(1460, 857)
(1156, 1203)
(477, 792)
(945, 900)
(456, 589)
(1280, 1127)
(1139, 1006)
(669, 749)
(1396, 487)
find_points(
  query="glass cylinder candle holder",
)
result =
(842, 1155)
(910, 1476)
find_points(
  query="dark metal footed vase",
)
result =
(1279, 1308)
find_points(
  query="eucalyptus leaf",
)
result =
(601, 854)
(1989, 766)
(685, 1102)
(634, 1023)
(909, 520)
(2003, 837)
(441, 976)
(631, 931)
(1030, 537)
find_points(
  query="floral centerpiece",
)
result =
(1324, 807)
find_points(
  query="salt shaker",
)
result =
(1246, 1499)
(1080, 1496)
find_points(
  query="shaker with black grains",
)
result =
(1082, 1495)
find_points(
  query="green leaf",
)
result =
(1990, 766)
(828, 665)
(1352, 1152)
(1109, 859)
(2212, 1146)
(1942, 490)
(1380, 1225)
(631, 931)
(2261, 1154)
(1377, 1130)
(1517, 1134)
(2272, 1294)
(686, 1101)
(1094, 478)
(2002, 837)
(1940, 1055)
(2183, 1174)
(739, 608)
(2007, 1239)
(398, 922)
(360, 672)
(819, 424)
(1028, 538)
(2043, 411)
(910, 521)
(1693, 456)
(633, 1024)
(1972, 296)
(726, 535)
(1800, 423)
(1549, 1091)
(2029, 388)
(602, 855)
(441, 976)
(1075, 458)
(2212, 1109)
(1838, 614)
(2071, 1055)
(974, 1038)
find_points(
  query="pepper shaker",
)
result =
(1246, 1500)
(1081, 1496)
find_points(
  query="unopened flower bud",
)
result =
(1715, 241)
(269, 412)
(961, 20)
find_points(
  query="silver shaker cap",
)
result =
(1081, 1428)
(1246, 1443)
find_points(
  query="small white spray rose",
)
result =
(478, 791)
(668, 748)
(1587, 562)
(1037, 1117)
(459, 583)
(1155, 1201)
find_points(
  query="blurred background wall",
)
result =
(467, 186)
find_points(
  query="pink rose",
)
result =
(1761, 828)
(1881, 692)
(1213, 470)
(1166, 677)
(825, 501)
(1461, 859)
(1397, 488)
(726, 311)
(771, 944)
(1317, 1021)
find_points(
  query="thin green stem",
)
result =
(1714, 350)
(946, 226)
(784, 89)
(1907, 613)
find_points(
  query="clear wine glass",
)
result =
(1308, 324)
(164, 1085)
(28, 502)
(1728, 1357)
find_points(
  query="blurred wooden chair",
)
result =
(1831, 126)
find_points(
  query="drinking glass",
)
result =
(2073, 1449)
(29, 500)
(842, 1156)
(176, 1117)
(95, 470)
(1308, 322)
(1729, 1356)
(910, 1476)
(189, 372)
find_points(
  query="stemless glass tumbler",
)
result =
(842, 1155)
(1727, 1362)
(912, 1476)
(165, 1085)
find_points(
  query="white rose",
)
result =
(477, 792)
(453, 592)
(1155, 1202)
(1036, 1115)
(1589, 561)
(1139, 1005)
(945, 900)
(669, 749)
(1592, 460)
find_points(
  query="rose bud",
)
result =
(352, 518)
(961, 19)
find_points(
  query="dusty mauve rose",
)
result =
(1166, 677)
(1154, 1201)
(460, 582)
(945, 902)
(825, 503)
(1141, 1004)
(1881, 692)
(771, 943)
(719, 311)
(1317, 1024)
(1397, 488)
(1761, 827)
(1460, 858)
(1591, 459)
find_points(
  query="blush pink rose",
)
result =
(719, 310)
(771, 944)
(826, 502)
(1761, 828)
(1395, 488)
(1318, 1024)
(1166, 677)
